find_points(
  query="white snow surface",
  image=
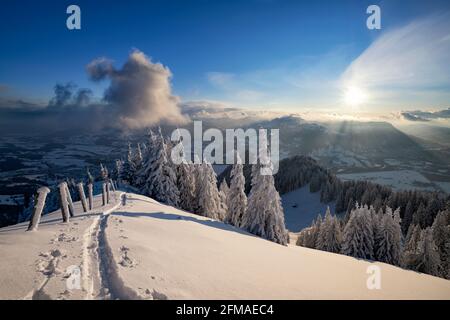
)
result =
(146, 250)
(301, 207)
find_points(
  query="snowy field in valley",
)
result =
(397, 179)
(146, 250)
(301, 207)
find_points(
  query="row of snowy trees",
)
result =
(416, 207)
(194, 187)
(376, 235)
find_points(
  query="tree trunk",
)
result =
(38, 208)
(82, 197)
(70, 202)
(91, 196)
(63, 201)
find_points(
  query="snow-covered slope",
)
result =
(301, 207)
(151, 251)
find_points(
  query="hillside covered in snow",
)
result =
(146, 250)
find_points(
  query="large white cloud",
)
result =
(140, 92)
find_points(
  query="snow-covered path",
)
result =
(146, 250)
(37, 265)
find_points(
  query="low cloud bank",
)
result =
(139, 95)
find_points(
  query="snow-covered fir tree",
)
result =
(441, 236)
(238, 200)
(410, 250)
(329, 237)
(89, 177)
(427, 259)
(104, 174)
(117, 170)
(161, 183)
(186, 184)
(358, 240)
(207, 192)
(127, 173)
(224, 196)
(264, 216)
(143, 176)
(136, 163)
(389, 233)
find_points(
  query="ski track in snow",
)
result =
(99, 277)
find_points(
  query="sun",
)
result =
(354, 96)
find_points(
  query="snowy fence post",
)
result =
(38, 208)
(91, 196)
(82, 196)
(107, 191)
(63, 201)
(104, 194)
(70, 202)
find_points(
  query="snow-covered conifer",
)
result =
(329, 237)
(390, 238)
(223, 193)
(238, 199)
(441, 236)
(161, 183)
(428, 259)
(358, 239)
(186, 186)
(208, 194)
(265, 216)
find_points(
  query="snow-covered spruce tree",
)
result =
(441, 236)
(420, 215)
(89, 177)
(104, 174)
(238, 199)
(427, 260)
(224, 196)
(329, 237)
(264, 216)
(161, 183)
(186, 186)
(377, 222)
(118, 170)
(207, 192)
(143, 176)
(308, 236)
(410, 249)
(389, 245)
(127, 174)
(357, 240)
(136, 164)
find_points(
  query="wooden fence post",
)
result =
(103, 194)
(91, 197)
(70, 202)
(38, 208)
(63, 201)
(108, 185)
(82, 196)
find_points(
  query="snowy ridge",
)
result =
(147, 250)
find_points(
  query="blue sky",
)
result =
(254, 53)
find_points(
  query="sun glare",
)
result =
(354, 96)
